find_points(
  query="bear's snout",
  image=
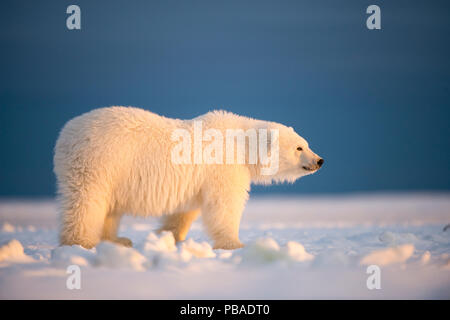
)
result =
(320, 162)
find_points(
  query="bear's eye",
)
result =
(299, 148)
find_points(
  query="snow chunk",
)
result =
(162, 250)
(267, 250)
(68, 255)
(297, 251)
(13, 252)
(191, 248)
(389, 256)
(8, 228)
(116, 256)
(264, 250)
(164, 243)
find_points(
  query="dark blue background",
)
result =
(374, 104)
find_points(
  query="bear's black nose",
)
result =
(320, 162)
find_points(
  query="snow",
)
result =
(267, 250)
(12, 252)
(190, 249)
(8, 228)
(68, 255)
(389, 256)
(296, 247)
(116, 256)
(297, 251)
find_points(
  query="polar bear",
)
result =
(119, 160)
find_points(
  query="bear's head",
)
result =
(288, 156)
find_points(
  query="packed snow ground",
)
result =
(296, 247)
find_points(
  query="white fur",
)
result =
(117, 160)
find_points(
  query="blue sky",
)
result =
(375, 104)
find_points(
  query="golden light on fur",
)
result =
(117, 160)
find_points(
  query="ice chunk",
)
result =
(297, 251)
(12, 252)
(389, 256)
(164, 243)
(264, 250)
(267, 250)
(67, 255)
(116, 256)
(8, 228)
(191, 248)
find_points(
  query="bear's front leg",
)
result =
(223, 203)
(222, 225)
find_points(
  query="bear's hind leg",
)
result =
(82, 222)
(179, 223)
(110, 227)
